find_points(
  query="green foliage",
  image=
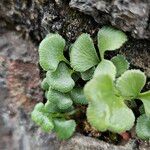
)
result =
(120, 63)
(60, 79)
(44, 84)
(143, 127)
(88, 74)
(51, 107)
(78, 97)
(145, 97)
(51, 52)
(105, 67)
(62, 100)
(110, 39)
(106, 111)
(131, 83)
(64, 128)
(110, 85)
(83, 54)
(42, 118)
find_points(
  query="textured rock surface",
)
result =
(129, 15)
(19, 92)
(79, 142)
(27, 21)
(39, 17)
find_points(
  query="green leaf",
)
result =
(105, 67)
(62, 100)
(88, 74)
(78, 97)
(131, 83)
(145, 97)
(106, 111)
(64, 128)
(42, 118)
(51, 51)
(142, 110)
(98, 115)
(60, 79)
(122, 118)
(143, 127)
(44, 84)
(110, 39)
(121, 64)
(83, 55)
(51, 107)
(45, 94)
(75, 76)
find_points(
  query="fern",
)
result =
(42, 118)
(60, 79)
(51, 52)
(106, 87)
(78, 97)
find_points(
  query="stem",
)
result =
(66, 61)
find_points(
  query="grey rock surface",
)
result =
(19, 92)
(128, 15)
(79, 142)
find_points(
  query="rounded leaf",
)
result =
(131, 83)
(51, 51)
(47, 124)
(51, 107)
(60, 79)
(143, 127)
(64, 128)
(98, 115)
(83, 55)
(62, 100)
(37, 117)
(110, 39)
(42, 118)
(44, 84)
(121, 119)
(100, 87)
(106, 111)
(87, 75)
(105, 67)
(120, 63)
(78, 97)
(145, 97)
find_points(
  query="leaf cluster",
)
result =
(109, 86)
(60, 90)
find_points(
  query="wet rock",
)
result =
(128, 15)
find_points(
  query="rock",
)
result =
(36, 18)
(128, 15)
(144, 145)
(79, 142)
(19, 92)
(138, 53)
